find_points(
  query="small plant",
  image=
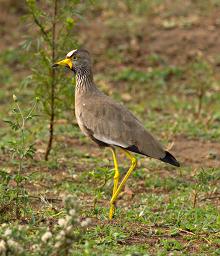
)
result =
(201, 74)
(106, 175)
(21, 147)
(203, 184)
(70, 228)
(171, 245)
(58, 240)
(54, 21)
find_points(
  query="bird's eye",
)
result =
(74, 58)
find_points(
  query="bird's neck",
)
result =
(84, 81)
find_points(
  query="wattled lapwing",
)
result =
(108, 123)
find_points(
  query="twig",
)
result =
(39, 24)
(43, 32)
(186, 231)
(50, 200)
(195, 196)
(191, 233)
(201, 95)
(211, 197)
(52, 114)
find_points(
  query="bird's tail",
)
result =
(170, 159)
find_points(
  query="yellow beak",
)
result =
(66, 62)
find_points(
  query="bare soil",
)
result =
(197, 152)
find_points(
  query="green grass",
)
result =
(168, 211)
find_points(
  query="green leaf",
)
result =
(14, 126)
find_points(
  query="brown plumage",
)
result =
(111, 123)
(105, 121)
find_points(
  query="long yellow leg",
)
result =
(132, 167)
(116, 179)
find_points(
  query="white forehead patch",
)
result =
(70, 54)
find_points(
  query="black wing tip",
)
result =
(170, 159)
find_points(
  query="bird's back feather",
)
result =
(113, 124)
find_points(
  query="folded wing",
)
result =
(111, 123)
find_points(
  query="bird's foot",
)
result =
(111, 211)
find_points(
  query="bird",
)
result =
(109, 123)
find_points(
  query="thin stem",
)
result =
(21, 156)
(22, 136)
(31, 111)
(41, 27)
(22, 116)
(52, 114)
(200, 99)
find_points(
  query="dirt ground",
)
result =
(177, 38)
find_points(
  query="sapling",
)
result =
(54, 22)
(201, 80)
(21, 147)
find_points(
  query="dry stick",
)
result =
(209, 198)
(52, 114)
(50, 200)
(200, 99)
(195, 196)
(193, 234)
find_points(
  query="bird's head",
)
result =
(77, 61)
